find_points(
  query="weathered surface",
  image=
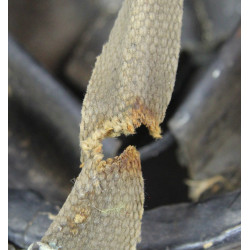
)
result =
(134, 76)
(189, 226)
(207, 125)
(104, 209)
(131, 84)
(205, 25)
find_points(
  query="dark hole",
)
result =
(164, 176)
(139, 139)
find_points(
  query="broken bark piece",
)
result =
(104, 209)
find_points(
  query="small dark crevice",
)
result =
(139, 139)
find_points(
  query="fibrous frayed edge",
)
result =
(134, 117)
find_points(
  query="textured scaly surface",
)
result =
(134, 76)
(104, 209)
(131, 84)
